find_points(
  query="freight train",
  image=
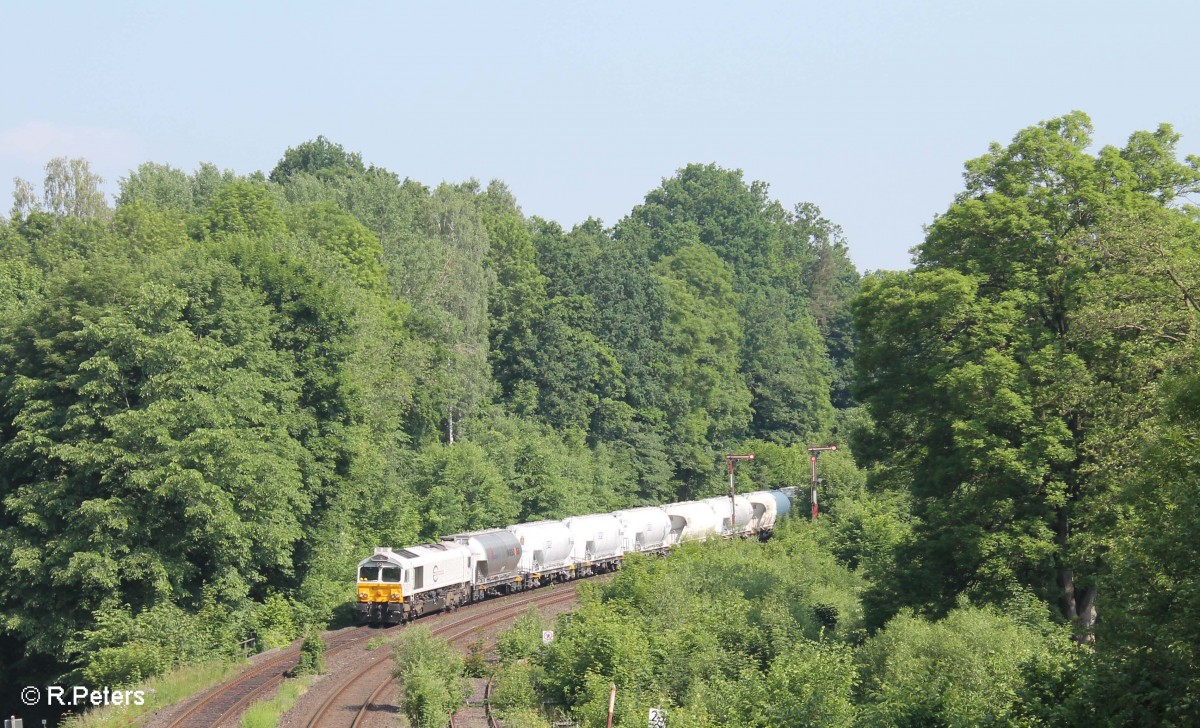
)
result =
(398, 585)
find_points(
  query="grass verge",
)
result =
(266, 713)
(159, 692)
(376, 642)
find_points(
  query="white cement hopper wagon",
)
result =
(742, 510)
(597, 542)
(545, 549)
(495, 558)
(644, 529)
(690, 521)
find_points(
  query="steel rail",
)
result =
(478, 621)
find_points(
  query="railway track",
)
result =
(351, 702)
(228, 700)
(478, 714)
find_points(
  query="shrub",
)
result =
(312, 655)
(431, 673)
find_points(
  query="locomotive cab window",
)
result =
(368, 573)
(391, 575)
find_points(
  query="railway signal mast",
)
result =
(813, 453)
(732, 504)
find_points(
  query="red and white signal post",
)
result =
(813, 452)
(733, 505)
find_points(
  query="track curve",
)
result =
(350, 704)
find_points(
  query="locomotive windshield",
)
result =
(368, 573)
(391, 575)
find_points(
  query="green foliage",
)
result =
(145, 230)
(149, 435)
(977, 666)
(430, 672)
(811, 683)
(1145, 644)
(550, 475)
(123, 648)
(461, 490)
(217, 397)
(267, 713)
(524, 638)
(158, 187)
(162, 188)
(1006, 372)
(832, 283)
(71, 191)
(354, 247)
(275, 622)
(241, 208)
(476, 660)
(320, 157)
(628, 306)
(788, 369)
(707, 404)
(780, 262)
(718, 634)
(515, 688)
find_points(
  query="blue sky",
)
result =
(867, 109)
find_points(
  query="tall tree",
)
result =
(159, 187)
(73, 190)
(458, 297)
(770, 255)
(319, 157)
(708, 404)
(70, 190)
(612, 280)
(147, 445)
(832, 283)
(1145, 644)
(988, 384)
(241, 208)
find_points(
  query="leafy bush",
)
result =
(720, 634)
(430, 671)
(514, 687)
(125, 648)
(312, 655)
(978, 666)
(275, 623)
(524, 638)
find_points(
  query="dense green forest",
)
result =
(217, 393)
(222, 392)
